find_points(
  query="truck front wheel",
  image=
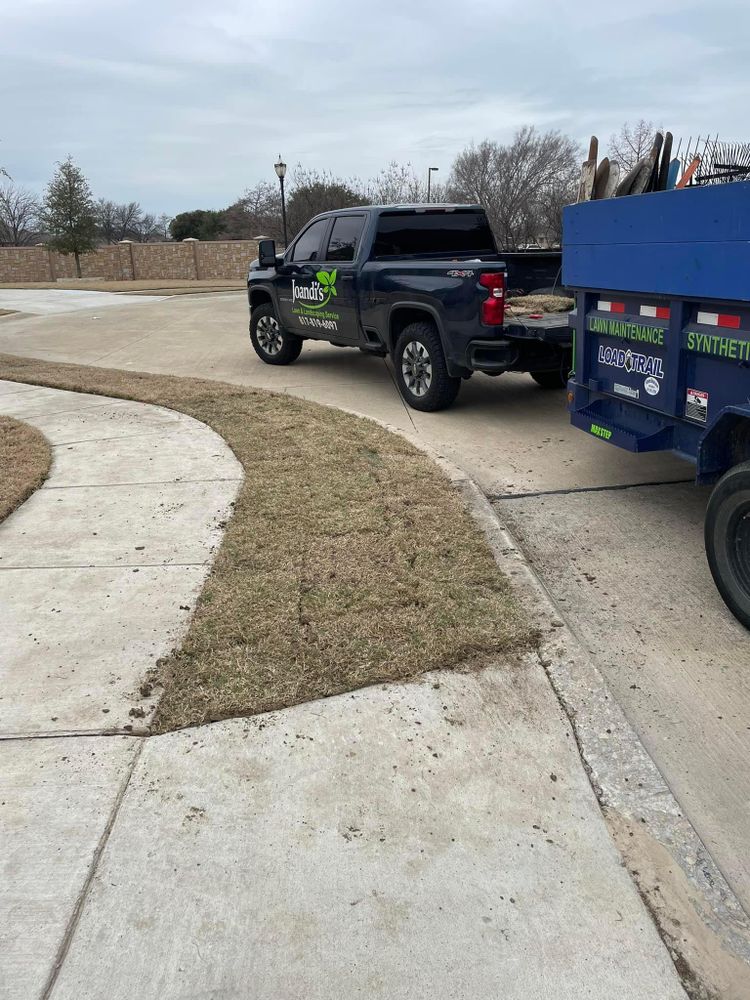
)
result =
(272, 344)
(727, 536)
(421, 369)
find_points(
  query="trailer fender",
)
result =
(725, 444)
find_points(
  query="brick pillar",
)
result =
(195, 242)
(51, 265)
(128, 271)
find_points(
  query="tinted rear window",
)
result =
(423, 234)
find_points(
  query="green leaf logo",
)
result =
(327, 281)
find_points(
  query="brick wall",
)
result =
(225, 261)
(24, 264)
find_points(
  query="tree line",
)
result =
(523, 185)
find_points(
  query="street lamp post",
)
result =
(280, 169)
(429, 181)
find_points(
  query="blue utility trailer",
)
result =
(662, 345)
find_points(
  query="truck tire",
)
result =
(550, 380)
(727, 537)
(421, 370)
(272, 344)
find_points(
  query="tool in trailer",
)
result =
(588, 171)
(612, 180)
(687, 176)
(601, 179)
(666, 155)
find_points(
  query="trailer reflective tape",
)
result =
(610, 307)
(655, 312)
(719, 319)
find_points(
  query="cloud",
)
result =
(180, 104)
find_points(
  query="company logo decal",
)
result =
(318, 293)
(631, 361)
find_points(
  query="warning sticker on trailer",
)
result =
(696, 405)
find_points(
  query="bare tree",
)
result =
(161, 230)
(123, 221)
(522, 185)
(256, 213)
(631, 143)
(19, 216)
(106, 220)
(399, 183)
(313, 192)
(144, 228)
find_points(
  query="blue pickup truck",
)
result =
(662, 357)
(422, 283)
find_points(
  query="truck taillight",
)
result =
(493, 307)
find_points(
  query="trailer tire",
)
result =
(550, 380)
(727, 537)
(272, 343)
(421, 369)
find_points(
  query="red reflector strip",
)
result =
(719, 319)
(611, 307)
(656, 312)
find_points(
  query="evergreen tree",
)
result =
(69, 212)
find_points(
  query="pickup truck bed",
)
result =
(422, 283)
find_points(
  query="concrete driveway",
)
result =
(623, 560)
(53, 301)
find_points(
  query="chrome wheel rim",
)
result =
(416, 368)
(269, 335)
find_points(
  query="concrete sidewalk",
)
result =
(436, 839)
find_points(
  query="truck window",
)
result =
(433, 234)
(308, 244)
(345, 235)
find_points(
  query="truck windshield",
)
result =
(433, 234)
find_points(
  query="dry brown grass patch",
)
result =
(25, 458)
(349, 560)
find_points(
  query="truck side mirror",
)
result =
(267, 253)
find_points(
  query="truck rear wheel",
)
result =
(727, 536)
(421, 369)
(272, 344)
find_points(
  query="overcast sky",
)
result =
(181, 104)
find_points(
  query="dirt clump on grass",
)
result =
(25, 458)
(349, 559)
